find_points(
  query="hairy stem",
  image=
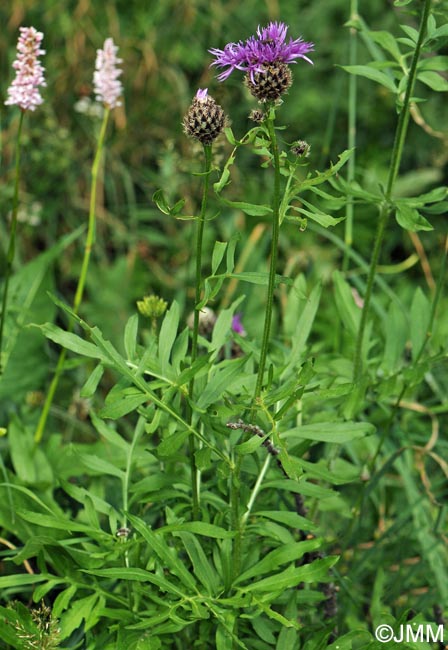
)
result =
(386, 208)
(90, 240)
(12, 236)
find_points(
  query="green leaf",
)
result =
(249, 446)
(290, 519)
(221, 381)
(27, 291)
(396, 331)
(410, 219)
(372, 73)
(336, 432)
(322, 177)
(171, 444)
(170, 560)
(202, 568)
(62, 600)
(120, 403)
(274, 559)
(80, 610)
(349, 312)
(218, 254)
(70, 341)
(420, 313)
(99, 465)
(303, 328)
(109, 433)
(130, 337)
(387, 42)
(438, 63)
(137, 575)
(323, 219)
(199, 528)
(434, 80)
(251, 209)
(317, 571)
(89, 388)
(167, 336)
(21, 580)
(159, 199)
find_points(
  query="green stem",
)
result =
(273, 265)
(386, 208)
(12, 236)
(351, 138)
(90, 240)
(237, 523)
(197, 299)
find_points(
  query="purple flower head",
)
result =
(201, 95)
(24, 90)
(106, 84)
(267, 47)
(237, 325)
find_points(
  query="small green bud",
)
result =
(152, 306)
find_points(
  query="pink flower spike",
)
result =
(24, 90)
(106, 84)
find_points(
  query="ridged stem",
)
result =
(90, 240)
(351, 137)
(237, 522)
(12, 235)
(386, 208)
(273, 264)
(194, 344)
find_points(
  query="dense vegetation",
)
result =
(178, 496)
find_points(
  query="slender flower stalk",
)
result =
(270, 123)
(24, 93)
(203, 121)
(107, 90)
(386, 207)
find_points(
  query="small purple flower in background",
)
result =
(237, 325)
(106, 84)
(264, 58)
(24, 90)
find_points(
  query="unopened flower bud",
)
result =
(301, 149)
(256, 116)
(152, 306)
(205, 119)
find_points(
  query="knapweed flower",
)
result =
(265, 58)
(205, 119)
(106, 84)
(24, 90)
